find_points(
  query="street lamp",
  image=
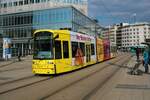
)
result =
(96, 21)
(134, 17)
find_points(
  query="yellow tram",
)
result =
(59, 51)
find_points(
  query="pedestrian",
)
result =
(146, 59)
(137, 53)
(19, 54)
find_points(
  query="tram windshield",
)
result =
(43, 45)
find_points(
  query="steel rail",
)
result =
(74, 82)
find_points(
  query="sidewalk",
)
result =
(124, 86)
(13, 60)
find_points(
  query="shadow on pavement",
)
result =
(132, 70)
(117, 65)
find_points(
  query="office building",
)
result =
(20, 26)
(134, 34)
(15, 6)
(125, 36)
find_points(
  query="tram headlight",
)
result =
(49, 62)
(33, 62)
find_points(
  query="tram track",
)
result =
(7, 64)
(13, 69)
(20, 79)
(81, 79)
(12, 62)
(21, 83)
(16, 80)
(91, 93)
(42, 80)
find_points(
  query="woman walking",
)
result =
(146, 59)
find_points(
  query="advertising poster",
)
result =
(7, 48)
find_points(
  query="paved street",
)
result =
(108, 80)
(13, 70)
(124, 86)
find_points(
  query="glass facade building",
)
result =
(11, 3)
(13, 6)
(20, 26)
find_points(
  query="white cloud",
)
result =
(120, 9)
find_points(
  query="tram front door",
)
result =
(88, 53)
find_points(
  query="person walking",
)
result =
(137, 53)
(146, 59)
(19, 54)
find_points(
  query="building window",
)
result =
(1, 5)
(15, 3)
(37, 1)
(5, 5)
(26, 2)
(20, 3)
(10, 20)
(43, 0)
(31, 1)
(10, 4)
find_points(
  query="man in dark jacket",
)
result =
(137, 53)
(19, 54)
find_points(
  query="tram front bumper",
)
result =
(43, 67)
(43, 71)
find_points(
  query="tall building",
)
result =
(119, 38)
(134, 34)
(110, 33)
(125, 36)
(15, 6)
(20, 18)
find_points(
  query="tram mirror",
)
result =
(57, 36)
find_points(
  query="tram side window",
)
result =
(65, 49)
(58, 54)
(74, 48)
(82, 46)
(92, 49)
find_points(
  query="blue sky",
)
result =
(109, 12)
